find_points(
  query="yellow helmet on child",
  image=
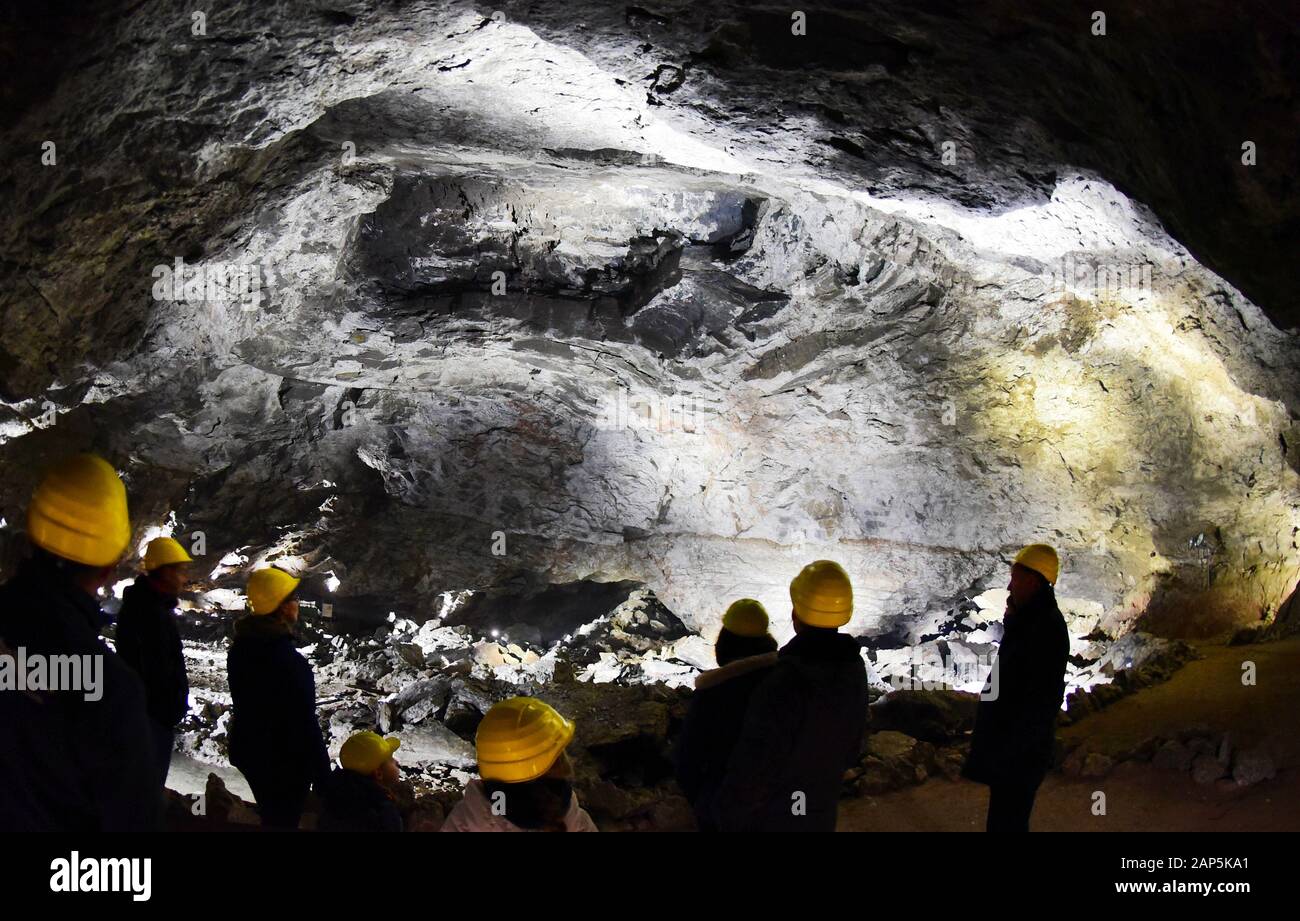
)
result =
(365, 752)
(746, 617)
(519, 739)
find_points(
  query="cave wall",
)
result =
(654, 299)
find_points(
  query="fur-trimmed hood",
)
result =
(717, 676)
(474, 813)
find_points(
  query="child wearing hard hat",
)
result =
(74, 759)
(1015, 722)
(804, 724)
(360, 795)
(526, 779)
(149, 641)
(275, 740)
(745, 651)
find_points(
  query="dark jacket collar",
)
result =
(42, 578)
(146, 592)
(1041, 613)
(262, 627)
(821, 646)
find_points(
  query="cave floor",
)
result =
(1140, 797)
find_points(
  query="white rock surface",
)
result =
(722, 349)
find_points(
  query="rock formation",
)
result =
(426, 298)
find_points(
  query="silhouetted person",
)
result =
(1015, 722)
(75, 754)
(803, 728)
(275, 740)
(149, 641)
(745, 651)
(359, 796)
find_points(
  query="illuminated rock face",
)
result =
(515, 323)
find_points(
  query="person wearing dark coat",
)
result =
(275, 739)
(804, 724)
(1015, 722)
(72, 758)
(358, 797)
(745, 650)
(149, 641)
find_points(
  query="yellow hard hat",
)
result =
(746, 617)
(519, 739)
(1042, 559)
(364, 752)
(822, 595)
(79, 512)
(163, 551)
(268, 587)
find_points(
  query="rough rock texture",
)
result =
(661, 294)
(1208, 756)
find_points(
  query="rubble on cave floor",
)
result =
(624, 674)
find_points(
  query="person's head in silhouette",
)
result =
(1033, 575)
(744, 632)
(821, 598)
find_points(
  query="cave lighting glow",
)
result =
(166, 529)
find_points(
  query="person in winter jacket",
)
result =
(745, 651)
(149, 642)
(275, 740)
(803, 728)
(526, 779)
(359, 796)
(1015, 721)
(72, 758)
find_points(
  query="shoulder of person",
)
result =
(780, 685)
(717, 676)
(121, 698)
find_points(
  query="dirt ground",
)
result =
(1208, 692)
